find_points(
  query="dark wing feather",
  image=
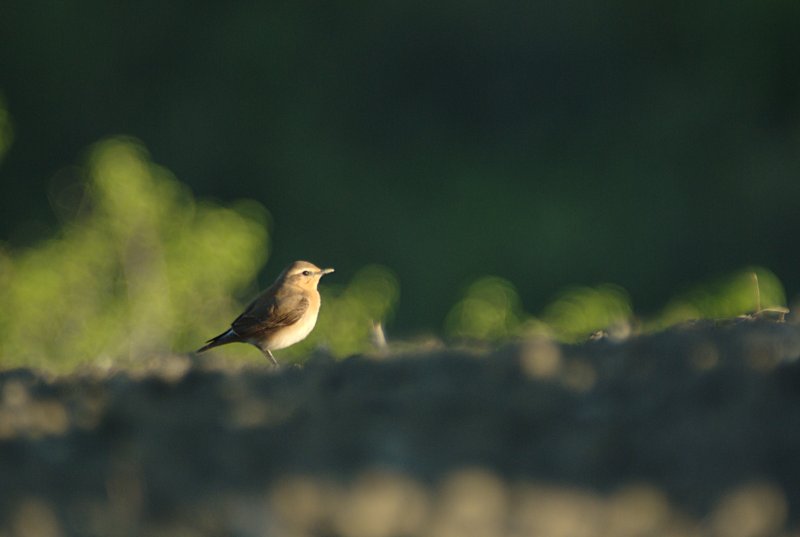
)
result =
(269, 312)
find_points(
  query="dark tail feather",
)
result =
(229, 336)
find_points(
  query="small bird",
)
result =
(280, 316)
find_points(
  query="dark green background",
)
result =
(649, 144)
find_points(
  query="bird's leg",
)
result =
(268, 354)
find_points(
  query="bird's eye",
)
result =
(306, 273)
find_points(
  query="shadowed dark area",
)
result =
(699, 416)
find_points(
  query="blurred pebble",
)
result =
(35, 518)
(752, 510)
(540, 358)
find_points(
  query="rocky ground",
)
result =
(693, 431)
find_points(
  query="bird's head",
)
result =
(304, 274)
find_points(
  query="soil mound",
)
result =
(693, 431)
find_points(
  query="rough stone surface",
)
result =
(695, 430)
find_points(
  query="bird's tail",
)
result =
(228, 336)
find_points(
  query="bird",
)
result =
(279, 317)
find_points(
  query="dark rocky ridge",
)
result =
(699, 424)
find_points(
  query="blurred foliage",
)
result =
(648, 144)
(348, 312)
(140, 268)
(579, 311)
(143, 269)
(491, 309)
(735, 294)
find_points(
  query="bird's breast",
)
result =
(289, 335)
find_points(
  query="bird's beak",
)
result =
(325, 271)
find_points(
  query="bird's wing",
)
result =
(270, 311)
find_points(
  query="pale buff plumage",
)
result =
(282, 315)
